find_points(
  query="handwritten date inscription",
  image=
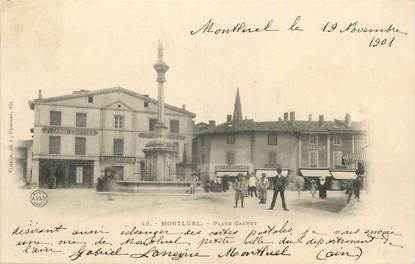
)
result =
(232, 241)
(381, 36)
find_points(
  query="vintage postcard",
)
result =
(207, 131)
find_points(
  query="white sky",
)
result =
(61, 46)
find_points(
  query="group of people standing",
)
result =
(243, 188)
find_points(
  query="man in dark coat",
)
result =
(279, 182)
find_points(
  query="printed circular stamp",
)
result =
(39, 198)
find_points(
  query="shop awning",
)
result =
(230, 173)
(315, 173)
(344, 175)
(270, 173)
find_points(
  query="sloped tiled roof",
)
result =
(281, 126)
(103, 91)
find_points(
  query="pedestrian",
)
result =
(322, 187)
(252, 185)
(193, 183)
(110, 182)
(354, 187)
(100, 182)
(246, 180)
(357, 186)
(240, 190)
(313, 188)
(219, 185)
(279, 187)
(262, 187)
(349, 190)
(225, 183)
(299, 184)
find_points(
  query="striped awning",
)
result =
(359, 155)
(343, 175)
(315, 173)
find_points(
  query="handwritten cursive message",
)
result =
(175, 240)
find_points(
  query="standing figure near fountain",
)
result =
(240, 187)
(193, 183)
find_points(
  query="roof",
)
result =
(84, 93)
(283, 126)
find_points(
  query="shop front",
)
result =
(66, 173)
(231, 171)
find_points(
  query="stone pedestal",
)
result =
(160, 160)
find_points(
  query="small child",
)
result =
(313, 188)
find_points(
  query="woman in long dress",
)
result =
(322, 188)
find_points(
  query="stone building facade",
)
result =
(76, 136)
(245, 146)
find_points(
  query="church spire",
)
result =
(237, 111)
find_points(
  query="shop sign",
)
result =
(70, 130)
(117, 159)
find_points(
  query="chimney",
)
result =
(310, 117)
(279, 119)
(286, 116)
(321, 119)
(40, 93)
(348, 120)
(212, 123)
(228, 118)
(184, 107)
(292, 118)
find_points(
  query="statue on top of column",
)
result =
(160, 49)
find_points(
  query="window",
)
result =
(176, 146)
(145, 104)
(118, 147)
(337, 158)
(79, 174)
(152, 124)
(174, 126)
(119, 170)
(272, 157)
(272, 140)
(203, 158)
(55, 118)
(54, 144)
(230, 157)
(80, 119)
(90, 99)
(313, 159)
(202, 141)
(118, 121)
(80, 146)
(230, 139)
(337, 140)
(313, 140)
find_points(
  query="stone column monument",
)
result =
(160, 154)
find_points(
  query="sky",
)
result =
(61, 46)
